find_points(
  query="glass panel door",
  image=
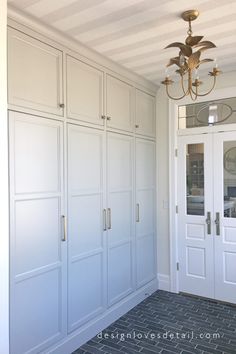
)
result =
(195, 205)
(224, 178)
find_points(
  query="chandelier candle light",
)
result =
(189, 60)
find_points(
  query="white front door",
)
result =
(206, 215)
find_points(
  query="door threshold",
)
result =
(215, 301)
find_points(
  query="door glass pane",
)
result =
(230, 179)
(195, 179)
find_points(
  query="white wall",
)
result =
(4, 217)
(225, 80)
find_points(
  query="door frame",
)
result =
(173, 135)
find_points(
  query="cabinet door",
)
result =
(119, 104)
(85, 225)
(84, 92)
(145, 114)
(34, 74)
(38, 266)
(120, 216)
(145, 211)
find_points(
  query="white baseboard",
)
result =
(92, 328)
(164, 282)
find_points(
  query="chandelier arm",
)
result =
(175, 98)
(206, 93)
(182, 85)
(193, 94)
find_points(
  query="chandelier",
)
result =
(189, 60)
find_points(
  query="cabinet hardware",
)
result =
(217, 222)
(109, 218)
(208, 222)
(108, 118)
(104, 219)
(103, 117)
(64, 228)
(177, 265)
(61, 105)
(136, 126)
(137, 213)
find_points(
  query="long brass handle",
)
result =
(104, 219)
(109, 218)
(217, 222)
(64, 237)
(208, 222)
(137, 213)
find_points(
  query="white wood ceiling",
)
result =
(133, 33)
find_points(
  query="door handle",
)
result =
(217, 222)
(137, 213)
(208, 222)
(109, 218)
(64, 237)
(104, 219)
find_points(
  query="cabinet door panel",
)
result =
(119, 104)
(120, 201)
(84, 92)
(145, 114)
(86, 260)
(34, 74)
(145, 209)
(85, 291)
(38, 268)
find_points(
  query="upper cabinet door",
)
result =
(119, 104)
(145, 114)
(34, 74)
(84, 92)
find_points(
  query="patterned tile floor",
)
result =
(169, 323)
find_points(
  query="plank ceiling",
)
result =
(133, 33)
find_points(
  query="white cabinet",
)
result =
(84, 92)
(38, 283)
(145, 114)
(145, 211)
(34, 74)
(86, 267)
(120, 216)
(119, 104)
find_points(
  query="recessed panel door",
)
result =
(84, 92)
(120, 216)
(145, 211)
(224, 153)
(38, 253)
(195, 208)
(86, 275)
(34, 74)
(145, 114)
(119, 104)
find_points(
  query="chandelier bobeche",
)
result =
(189, 60)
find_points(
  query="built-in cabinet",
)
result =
(82, 195)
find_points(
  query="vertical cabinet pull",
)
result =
(137, 213)
(64, 235)
(208, 222)
(104, 219)
(109, 218)
(217, 222)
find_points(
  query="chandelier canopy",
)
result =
(189, 60)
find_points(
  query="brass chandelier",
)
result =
(189, 60)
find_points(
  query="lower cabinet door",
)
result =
(145, 211)
(120, 216)
(38, 266)
(86, 262)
